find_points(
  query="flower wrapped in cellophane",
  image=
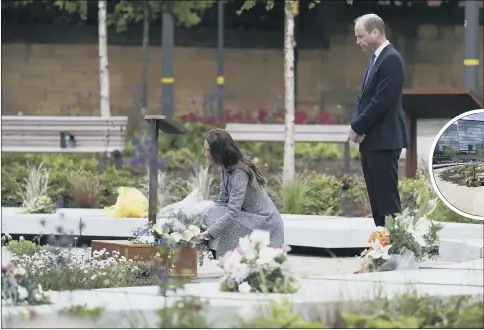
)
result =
(407, 239)
(174, 231)
(256, 267)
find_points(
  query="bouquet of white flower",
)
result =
(408, 238)
(256, 267)
(178, 230)
(174, 231)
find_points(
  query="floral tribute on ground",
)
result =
(174, 231)
(256, 267)
(17, 286)
(407, 239)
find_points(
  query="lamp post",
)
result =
(471, 43)
(220, 59)
(167, 65)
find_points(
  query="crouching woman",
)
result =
(242, 205)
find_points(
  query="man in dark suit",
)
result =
(379, 122)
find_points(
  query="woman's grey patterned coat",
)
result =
(239, 210)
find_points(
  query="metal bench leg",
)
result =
(118, 159)
(347, 157)
(63, 143)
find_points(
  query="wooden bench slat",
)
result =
(55, 143)
(60, 129)
(278, 128)
(280, 137)
(29, 149)
(42, 133)
(64, 118)
(79, 134)
(56, 137)
(276, 133)
(62, 122)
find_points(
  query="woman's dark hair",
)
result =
(224, 152)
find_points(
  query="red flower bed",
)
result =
(261, 116)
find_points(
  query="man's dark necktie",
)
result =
(370, 67)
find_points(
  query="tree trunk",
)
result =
(144, 73)
(289, 88)
(103, 60)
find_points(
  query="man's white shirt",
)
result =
(380, 49)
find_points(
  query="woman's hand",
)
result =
(204, 234)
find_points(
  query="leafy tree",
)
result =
(185, 13)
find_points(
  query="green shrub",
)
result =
(316, 194)
(463, 174)
(356, 198)
(22, 247)
(293, 197)
(417, 312)
(280, 317)
(179, 159)
(85, 188)
(323, 150)
(415, 192)
(324, 195)
(11, 174)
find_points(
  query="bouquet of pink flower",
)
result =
(256, 267)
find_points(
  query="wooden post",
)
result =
(411, 157)
(157, 123)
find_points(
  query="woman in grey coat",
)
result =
(242, 205)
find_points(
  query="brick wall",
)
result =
(41, 79)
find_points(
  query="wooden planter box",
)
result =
(186, 264)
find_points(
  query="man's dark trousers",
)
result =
(380, 170)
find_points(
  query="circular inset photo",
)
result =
(457, 164)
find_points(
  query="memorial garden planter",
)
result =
(180, 261)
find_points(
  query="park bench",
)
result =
(71, 134)
(303, 133)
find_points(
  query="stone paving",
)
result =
(467, 199)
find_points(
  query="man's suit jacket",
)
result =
(379, 113)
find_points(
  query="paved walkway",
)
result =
(304, 266)
(309, 266)
(467, 199)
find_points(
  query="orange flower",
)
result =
(377, 235)
(384, 241)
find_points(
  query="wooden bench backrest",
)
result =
(276, 132)
(42, 133)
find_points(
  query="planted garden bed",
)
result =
(465, 175)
